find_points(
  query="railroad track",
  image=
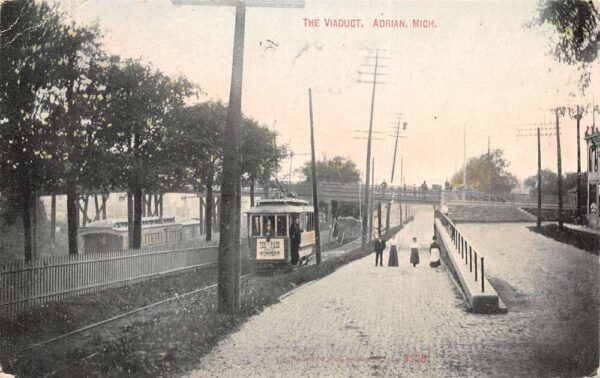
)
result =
(120, 316)
(125, 315)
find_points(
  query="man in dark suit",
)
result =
(295, 237)
(379, 246)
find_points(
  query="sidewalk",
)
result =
(360, 321)
(364, 320)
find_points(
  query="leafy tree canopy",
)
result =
(261, 156)
(487, 173)
(550, 179)
(337, 169)
(576, 23)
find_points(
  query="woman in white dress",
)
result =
(414, 252)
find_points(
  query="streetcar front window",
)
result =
(268, 224)
(256, 225)
(281, 225)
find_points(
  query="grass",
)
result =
(580, 239)
(163, 341)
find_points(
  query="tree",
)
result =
(337, 169)
(261, 156)
(141, 103)
(487, 173)
(29, 57)
(549, 180)
(76, 106)
(197, 146)
(576, 24)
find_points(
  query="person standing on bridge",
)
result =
(379, 246)
(424, 189)
(414, 252)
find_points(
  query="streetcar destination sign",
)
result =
(270, 250)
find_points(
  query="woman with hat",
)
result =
(414, 252)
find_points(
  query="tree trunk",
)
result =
(34, 227)
(137, 218)
(104, 199)
(216, 214)
(209, 211)
(157, 199)
(149, 205)
(53, 219)
(84, 210)
(72, 222)
(251, 191)
(144, 202)
(130, 219)
(96, 207)
(200, 214)
(160, 206)
(25, 189)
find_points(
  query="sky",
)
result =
(480, 71)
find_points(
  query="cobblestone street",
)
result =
(364, 320)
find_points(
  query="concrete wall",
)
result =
(479, 301)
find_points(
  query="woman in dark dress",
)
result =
(434, 253)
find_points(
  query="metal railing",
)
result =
(569, 201)
(468, 254)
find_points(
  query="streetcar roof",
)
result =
(281, 206)
(122, 223)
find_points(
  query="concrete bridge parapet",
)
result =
(467, 268)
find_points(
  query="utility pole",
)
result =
(374, 81)
(313, 166)
(372, 201)
(528, 132)
(465, 157)
(389, 203)
(559, 166)
(490, 166)
(539, 208)
(229, 269)
(578, 116)
(402, 180)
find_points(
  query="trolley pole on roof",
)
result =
(228, 288)
(313, 166)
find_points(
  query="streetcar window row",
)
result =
(278, 225)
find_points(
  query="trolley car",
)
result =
(269, 231)
(112, 234)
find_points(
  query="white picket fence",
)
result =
(25, 285)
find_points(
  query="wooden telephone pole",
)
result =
(229, 270)
(389, 203)
(313, 166)
(366, 232)
(559, 167)
(528, 132)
